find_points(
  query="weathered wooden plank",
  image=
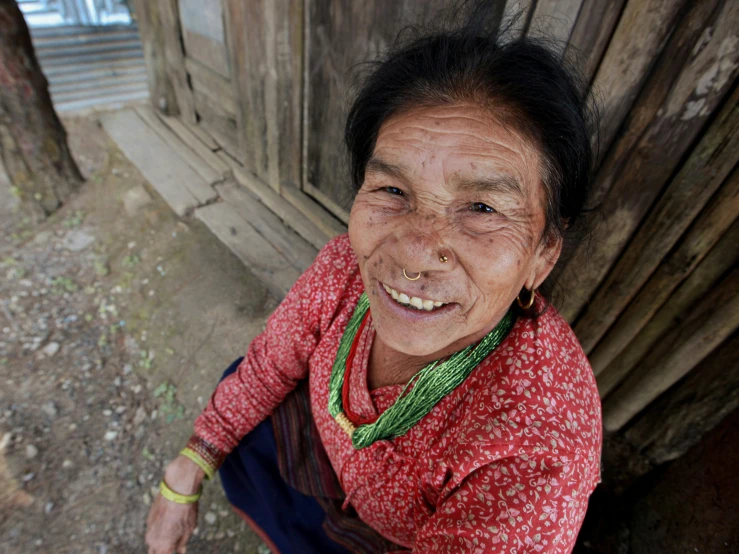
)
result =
(709, 164)
(211, 84)
(712, 321)
(680, 417)
(258, 255)
(317, 214)
(154, 158)
(642, 31)
(643, 170)
(175, 58)
(333, 207)
(677, 57)
(203, 137)
(267, 74)
(217, 122)
(592, 33)
(289, 214)
(342, 34)
(711, 224)
(721, 258)
(299, 252)
(203, 34)
(187, 135)
(161, 91)
(208, 174)
(554, 20)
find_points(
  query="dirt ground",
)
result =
(116, 321)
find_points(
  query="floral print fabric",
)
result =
(503, 464)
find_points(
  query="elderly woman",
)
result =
(413, 391)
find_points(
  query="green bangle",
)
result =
(176, 497)
(197, 460)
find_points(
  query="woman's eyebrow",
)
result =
(377, 165)
(499, 184)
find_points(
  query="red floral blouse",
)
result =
(505, 463)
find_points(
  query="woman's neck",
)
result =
(390, 367)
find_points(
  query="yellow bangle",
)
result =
(169, 494)
(202, 464)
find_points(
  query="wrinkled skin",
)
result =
(170, 525)
(447, 180)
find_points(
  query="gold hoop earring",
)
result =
(416, 278)
(530, 303)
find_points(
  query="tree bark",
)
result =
(33, 142)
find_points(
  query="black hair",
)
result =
(525, 82)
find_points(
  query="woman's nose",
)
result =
(424, 248)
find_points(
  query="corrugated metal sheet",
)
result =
(87, 66)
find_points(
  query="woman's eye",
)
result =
(394, 190)
(483, 208)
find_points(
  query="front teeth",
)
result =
(418, 303)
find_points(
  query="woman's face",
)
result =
(448, 181)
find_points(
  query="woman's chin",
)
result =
(407, 343)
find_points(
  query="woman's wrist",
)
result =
(183, 476)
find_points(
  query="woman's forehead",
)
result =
(463, 143)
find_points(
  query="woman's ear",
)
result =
(547, 254)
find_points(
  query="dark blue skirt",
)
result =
(291, 521)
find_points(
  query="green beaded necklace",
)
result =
(427, 387)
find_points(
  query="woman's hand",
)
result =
(170, 525)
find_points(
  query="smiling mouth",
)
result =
(421, 304)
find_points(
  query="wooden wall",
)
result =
(653, 296)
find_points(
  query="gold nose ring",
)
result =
(443, 259)
(416, 278)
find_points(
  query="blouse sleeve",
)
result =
(536, 504)
(275, 362)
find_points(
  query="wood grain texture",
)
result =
(591, 34)
(289, 214)
(203, 34)
(161, 91)
(695, 405)
(642, 31)
(197, 164)
(333, 207)
(712, 321)
(203, 136)
(681, 106)
(258, 255)
(299, 252)
(217, 122)
(175, 59)
(266, 44)
(342, 34)
(313, 210)
(179, 185)
(712, 223)
(213, 85)
(721, 258)
(554, 20)
(709, 164)
(208, 52)
(192, 139)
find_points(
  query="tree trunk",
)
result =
(33, 142)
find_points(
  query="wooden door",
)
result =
(208, 65)
(340, 35)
